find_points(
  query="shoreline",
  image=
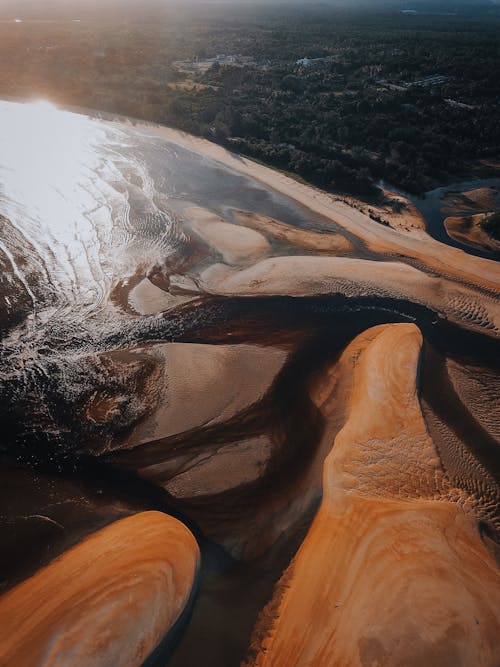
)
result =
(467, 229)
(417, 245)
(255, 350)
(414, 243)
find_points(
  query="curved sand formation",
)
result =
(469, 231)
(146, 298)
(109, 600)
(206, 384)
(393, 571)
(378, 238)
(215, 432)
(301, 276)
(302, 239)
(478, 389)
(134, 363)
(237, 245)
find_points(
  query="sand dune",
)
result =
(108, 601)
(237, 245)
(393, 571)
(148, 299)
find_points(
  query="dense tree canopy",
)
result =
(355, 111)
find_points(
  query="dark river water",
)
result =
(86, 204)
(430, 205)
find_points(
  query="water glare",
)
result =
(54, 190)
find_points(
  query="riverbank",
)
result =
(415, 245)
(469, 231)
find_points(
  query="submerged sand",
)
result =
(203, 385)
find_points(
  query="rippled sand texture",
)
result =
(393, 571)
(241, 420)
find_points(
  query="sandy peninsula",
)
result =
(393, 571)
(109, 600)
(307, 275)
(469, 230)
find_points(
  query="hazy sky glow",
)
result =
(93, 5)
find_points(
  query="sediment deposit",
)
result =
(108, 601)
(393, 570)
(232, 404)
(469, 230)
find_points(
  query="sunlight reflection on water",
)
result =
(52, 189)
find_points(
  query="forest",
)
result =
(342, 99)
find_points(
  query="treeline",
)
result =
(352, 120)
(343, 123)
(491, 226)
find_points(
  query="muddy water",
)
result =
(86, 205)
(218, 626)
